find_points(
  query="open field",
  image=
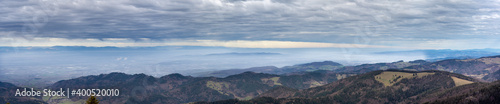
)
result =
(274, 79)
(389, 78)
(459, 82)
(218, 86)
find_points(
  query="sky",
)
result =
(190, 32)
(383, 24)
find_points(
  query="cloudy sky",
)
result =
(396, 24)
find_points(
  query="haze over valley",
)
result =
(46, 65)
(51, 64)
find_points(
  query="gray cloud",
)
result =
(344, 21)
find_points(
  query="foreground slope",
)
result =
(7, 92)
(478, 93)
(369, 88)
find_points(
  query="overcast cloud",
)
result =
(402, 23)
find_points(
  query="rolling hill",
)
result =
(317, 82)
(307, 67)
(477, 93)
(481, 68)
(176, 88)
(377, 87)
(486, 68)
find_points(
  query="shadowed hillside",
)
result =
(7, 95)
(366, 88)
(176, 88)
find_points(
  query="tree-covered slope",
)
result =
(176, 88)
(370, 87)
(7, 95)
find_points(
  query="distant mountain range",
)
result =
(486, 68)
(315, 66)
(437, 55)
(431, 55)
(325, 65)
(243, 54)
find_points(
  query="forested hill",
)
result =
(7, 95)
(176, 88)
(377, 87)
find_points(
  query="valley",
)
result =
(316, 82)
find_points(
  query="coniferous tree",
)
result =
(92, 100)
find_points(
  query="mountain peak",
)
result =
(242, 54)
(248, 72)
(497, 56)
(321, 63)
(175, 76)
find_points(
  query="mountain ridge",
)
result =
(388, 82)
(177, 88)
(365, 88)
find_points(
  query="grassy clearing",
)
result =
(274, 79)
(45, 98)
(218, 86)
(389, 78)
(341, 76)
(315, 84)
(244, 98)
(62, 100)
(490, 60)
(459, 82)
(73, 102)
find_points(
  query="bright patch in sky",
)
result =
(48, 42)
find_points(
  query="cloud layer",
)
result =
(367, 22)
(118, 42)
